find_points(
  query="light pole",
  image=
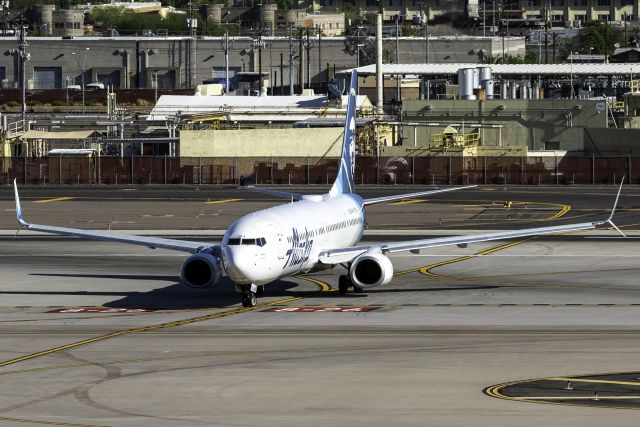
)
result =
(84, 59)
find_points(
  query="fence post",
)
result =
(484, 169)
(521, 170)
(629, 170)
(199, 170)
(24, 173)
(593, 169)
(449, 169)
(413, 170)
(308, 172)
(99, 172)
(131, 179)
(165, 169)
(555, 156)
(60, 170)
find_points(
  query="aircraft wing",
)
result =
(385, 199)
(342, 255)
(151, 242)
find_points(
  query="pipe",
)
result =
(379, 81)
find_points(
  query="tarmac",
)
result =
(541, 331)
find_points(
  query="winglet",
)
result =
(21, 220)
(613, 211)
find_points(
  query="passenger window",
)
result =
(233, 242)
(261, 241)
(248, 241)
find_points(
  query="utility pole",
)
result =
(308, 47)
(226, 44)
(398, 77)
(291, 52)
(24, 56)
(319, 51)
(301, 53)
(192, 24)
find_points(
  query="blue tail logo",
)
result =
(344, 181)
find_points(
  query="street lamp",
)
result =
(84, 59)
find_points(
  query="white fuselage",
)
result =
(286, 240)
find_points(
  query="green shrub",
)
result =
(13, 104)
(58, 103)
(34, 103)
(93, 102)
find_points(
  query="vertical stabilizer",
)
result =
(344, 181)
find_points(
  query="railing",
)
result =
(15, 129)
(145, 170)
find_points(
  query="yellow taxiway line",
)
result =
(57, 199)
(217, 202)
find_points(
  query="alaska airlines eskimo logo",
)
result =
(300, 249)
(352, 145)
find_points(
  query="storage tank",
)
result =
(485, 73)
(46, 18)
(487, 85)
(268, 17)
(214, 13)
(504, 89)
(476, 78)
(514, 90)
(465, 83)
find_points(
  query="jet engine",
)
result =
(201, 270)
(370, 270)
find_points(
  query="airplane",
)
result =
(311, 233)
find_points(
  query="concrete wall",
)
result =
(137, 56)
(294, 142)
(531, 123)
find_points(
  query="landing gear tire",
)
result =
(249, 299)
(343, 284)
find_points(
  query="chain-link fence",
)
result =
(141, 170)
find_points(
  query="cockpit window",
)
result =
(246, 241)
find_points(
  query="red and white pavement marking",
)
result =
(100, 310)
(319, 309)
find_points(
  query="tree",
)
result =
(596, 37)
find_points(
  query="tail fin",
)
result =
(344, 182)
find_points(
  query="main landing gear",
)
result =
(250, 295)
(344, 283)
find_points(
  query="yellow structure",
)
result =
(451, 137)
(289, 142)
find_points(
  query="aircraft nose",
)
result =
(239, 265)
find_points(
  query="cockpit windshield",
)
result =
(234, 241)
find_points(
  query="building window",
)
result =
(580, 2)
(627, 2)
(603, 17)
(76, 25)
(580, 17)
(604, 3)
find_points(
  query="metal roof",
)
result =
(279, 106)
(619, 69)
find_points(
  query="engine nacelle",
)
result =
(201, 270)
(370, 270)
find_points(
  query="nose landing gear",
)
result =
(249, 294)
